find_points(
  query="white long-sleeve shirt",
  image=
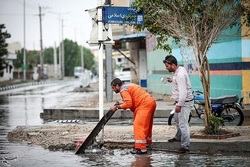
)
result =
(181, 88)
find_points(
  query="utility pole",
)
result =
(61, 45)
(100, 59)
(41, 43)
(109, 66)
(24, 42)
(60, 53)
(55, 62)
(82, 57)
(63, 65)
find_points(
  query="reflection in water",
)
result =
(4, 153)
(43, 103)
(182, 160)
(25, 109)
(142, 160)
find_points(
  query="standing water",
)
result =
(23, 106)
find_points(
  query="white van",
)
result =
(78, 71)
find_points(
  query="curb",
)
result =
(30, 83)
(5, 88)
(77, 113)
(204, 146)
(196, 146)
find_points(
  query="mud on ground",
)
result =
(65, 137)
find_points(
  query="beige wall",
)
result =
(120, 2)
(13, 47)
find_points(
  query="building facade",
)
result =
(7, 73)
(229, 61)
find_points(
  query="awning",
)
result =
(131, 37)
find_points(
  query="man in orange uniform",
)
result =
(142, 104)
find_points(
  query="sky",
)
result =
(76, 21)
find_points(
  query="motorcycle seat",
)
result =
(225, 99)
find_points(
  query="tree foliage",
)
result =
(32, 60)
(196, 23)
(3, 47)
(49, 55)
(202, 21)
(72, 57)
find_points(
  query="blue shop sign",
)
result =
(122, 15)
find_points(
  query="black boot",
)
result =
(138, 151)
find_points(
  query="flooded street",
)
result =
(22, 106)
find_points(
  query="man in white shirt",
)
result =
(182, 94)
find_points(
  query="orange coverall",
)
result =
(142, 104)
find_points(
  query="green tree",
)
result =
(89, 61)
(32, 59)
(72, 57)
(3, 47)
(49, 55)
(198, 23)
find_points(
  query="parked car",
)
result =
(124, 75)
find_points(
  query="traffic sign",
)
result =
(122, 15)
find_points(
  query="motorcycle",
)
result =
(229, 108)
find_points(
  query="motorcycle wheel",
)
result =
(232, 116)
(171, 119)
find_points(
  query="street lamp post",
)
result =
(24, 41)
(63, 64)
(41, 43)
